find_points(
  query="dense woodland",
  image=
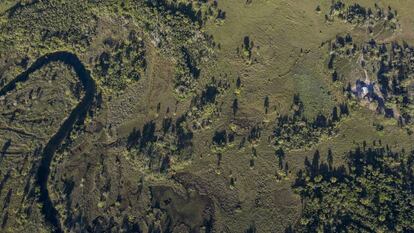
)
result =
(373, 192)
(295, 131)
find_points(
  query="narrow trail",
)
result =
(79, 112)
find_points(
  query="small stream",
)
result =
(42, 176)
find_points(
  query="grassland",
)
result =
(181, 134)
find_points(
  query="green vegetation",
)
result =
(386, 73)
(123, 63)
(294, 131)
(364, 17)
(205, 115)
(374, 193)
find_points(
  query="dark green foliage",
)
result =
(334, 115)
(247, 49)
(254, 134)
(184, 134)
(197, 11)
(148, 135)
(133, 138)
(69, 22)
(375, 193)
(362, 16)
(238, 82)
(296, 131)
(209, 224)
(122, 62)
(57, 25)
(335, 76)
(280, 155)
(158, 145)
(176, 32)
(266, 104)
(393, 67)
(186, 72)
(251, 229)
(235, 106)
(209, 95)
(220, 138)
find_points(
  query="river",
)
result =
(48, 210)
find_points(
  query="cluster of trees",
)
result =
(176, 23)
(198, 11)
(52, 25)
(254, 134)
(186, 72)
(121, 62)
(392, 65)
(208, 96)
(71, 23)
(394, 61)
(222, 137)
(247, 47)
(159, 145)
(395, 67)
(373, 193)
(296, 131)
(176, 32)
(246, 50)
(204, 105)
(359, 15)
(283, 165)
(74, 25)
(342, 46)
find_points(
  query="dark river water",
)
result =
(48, 210)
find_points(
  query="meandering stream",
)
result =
(48, 210)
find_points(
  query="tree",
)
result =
(335, 76)
(374, 194)
(280, 154)
(220, 138)
(330, 159)
(238, 82)
(335, 117)
(251, 229)
(266, 104)
(235, 106)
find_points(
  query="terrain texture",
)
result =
(160, 116)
